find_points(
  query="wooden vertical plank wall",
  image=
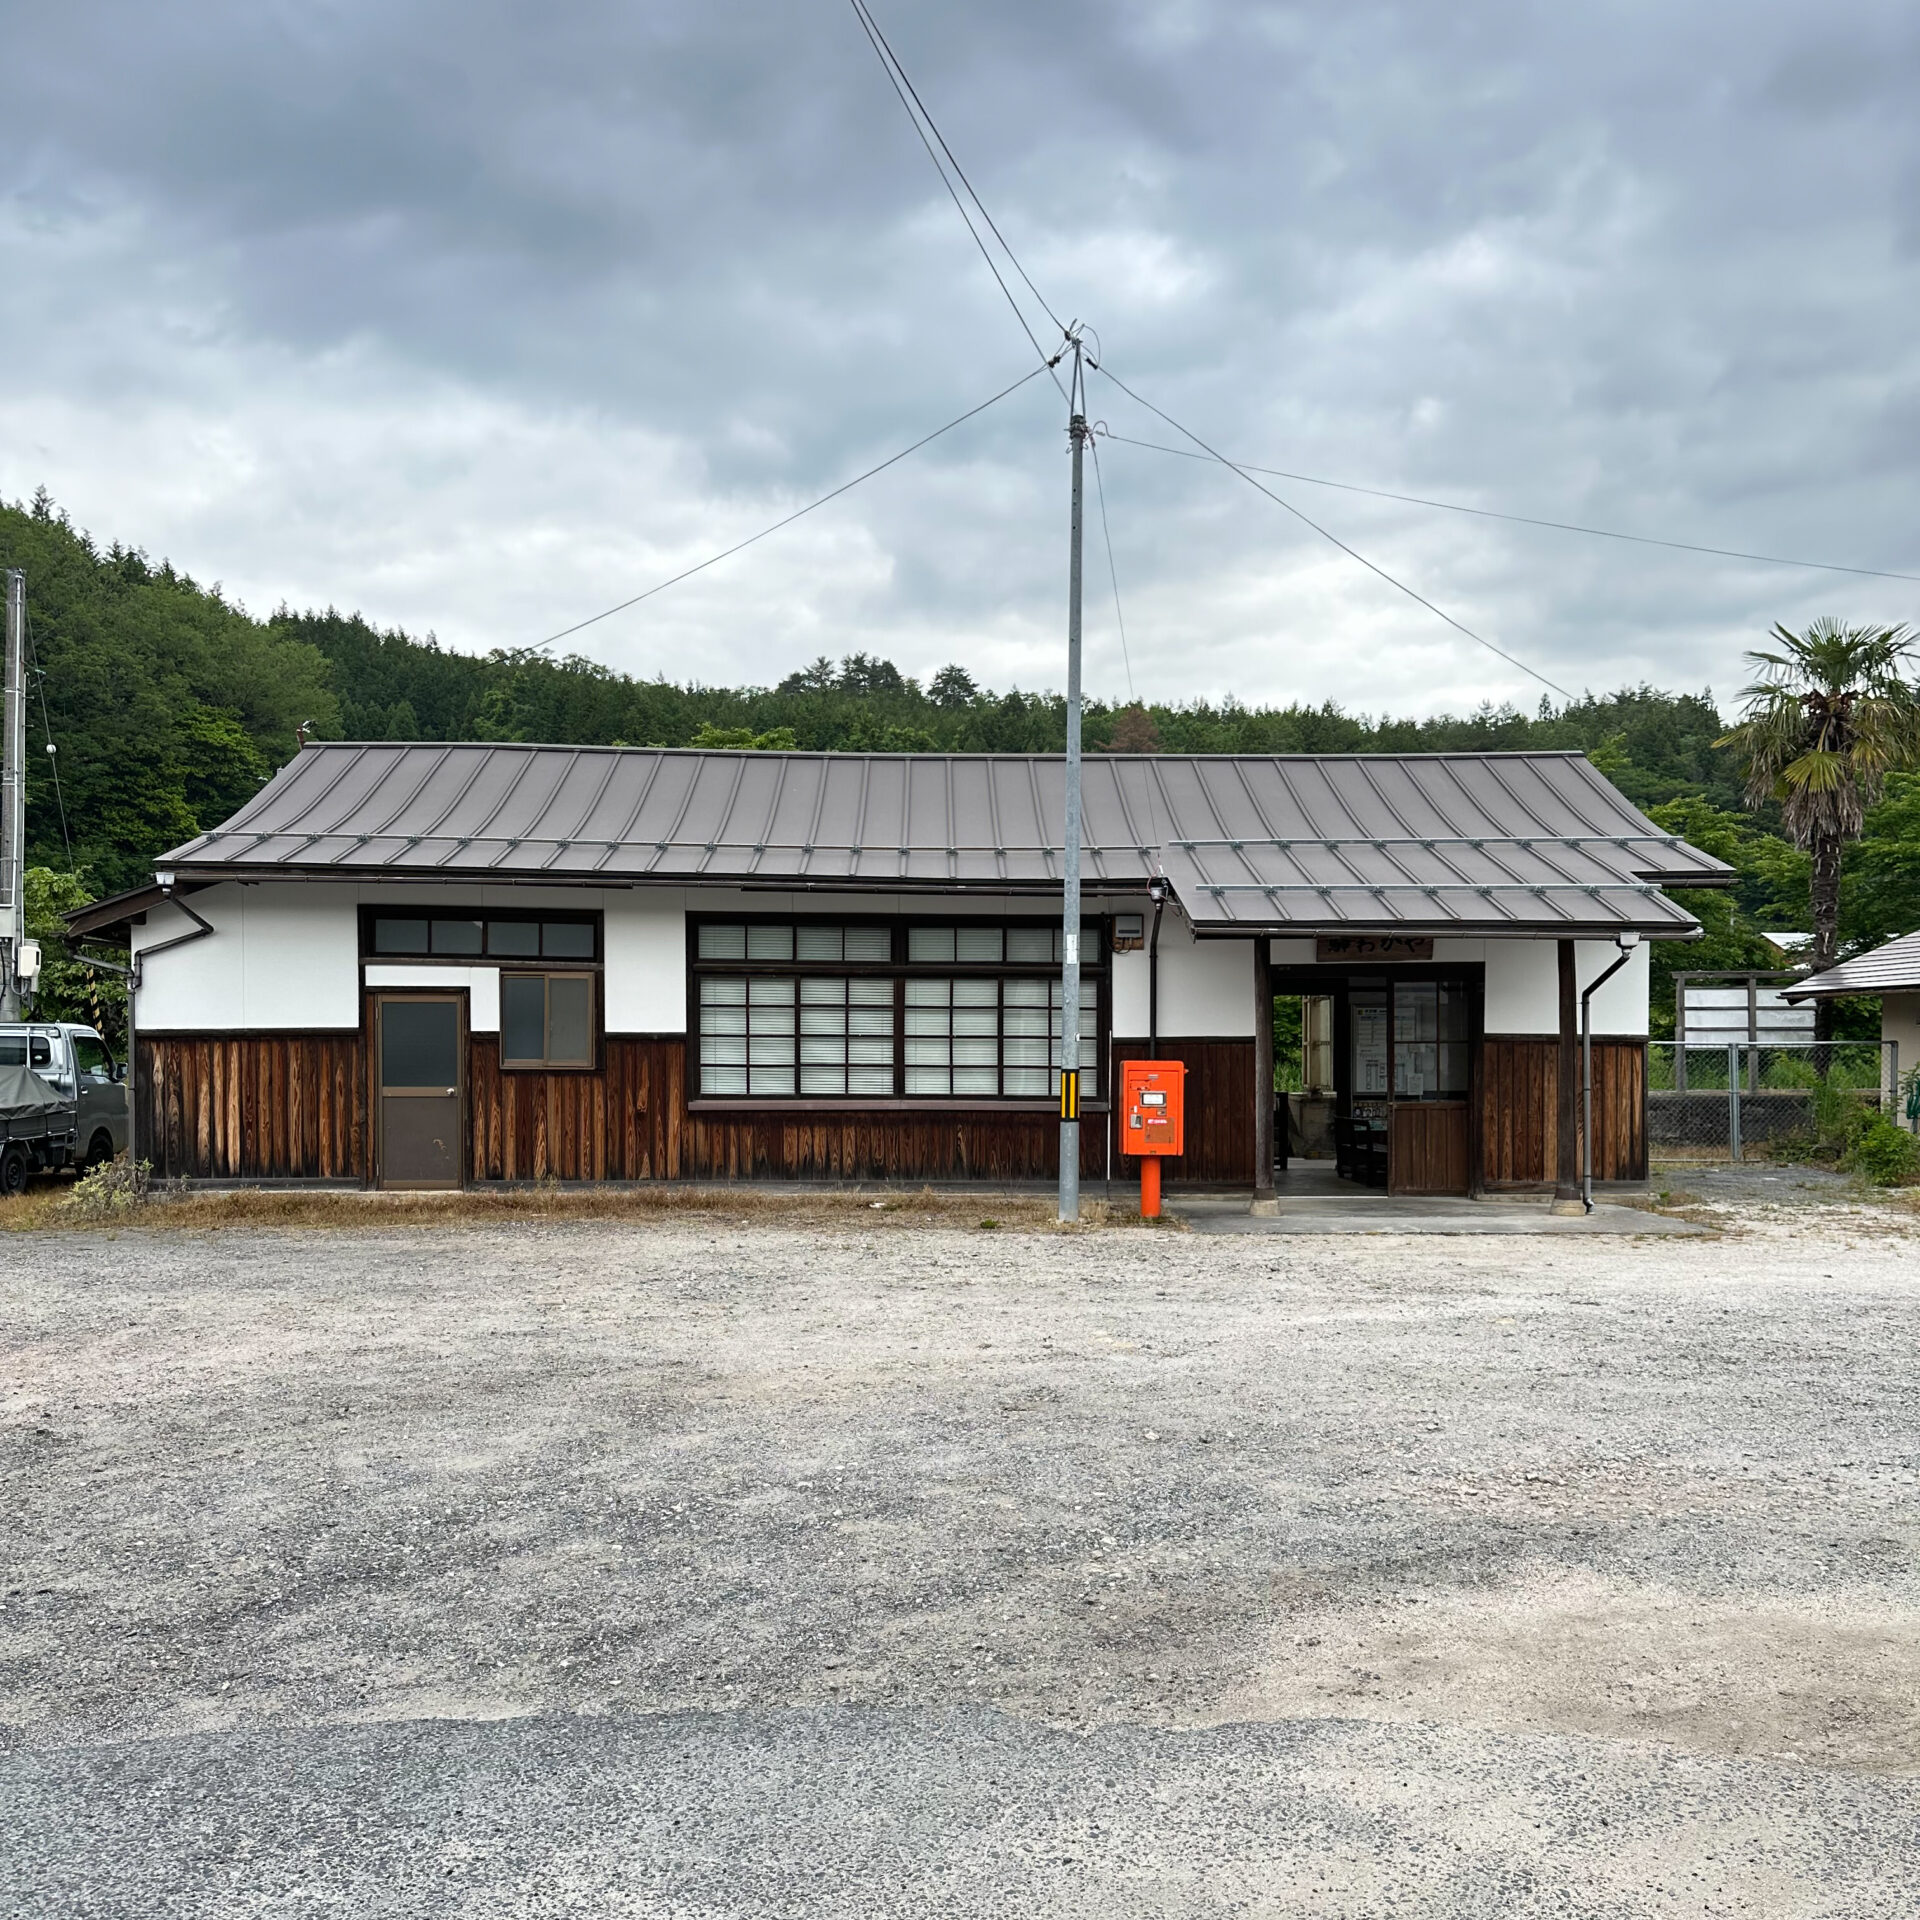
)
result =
(1519, 1089)
(300, 1106)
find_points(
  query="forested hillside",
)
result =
(170, 706)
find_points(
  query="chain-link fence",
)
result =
(1728, 1102)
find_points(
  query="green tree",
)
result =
(71, 987)
(1832, 713)
(775, 740)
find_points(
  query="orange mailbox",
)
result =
(1153, 1124)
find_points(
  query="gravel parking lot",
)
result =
(715, 1566)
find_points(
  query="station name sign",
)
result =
(1333, 948)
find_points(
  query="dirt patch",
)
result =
(1827, 1680)
(1656, 1491)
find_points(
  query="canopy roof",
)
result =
(1451, 842)
(1894, 968)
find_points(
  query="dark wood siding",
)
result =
(625, 1122)
(1519, 1130)
(1219, 1112)
(299, 1106)
(281, 1106)
(1428, 1148)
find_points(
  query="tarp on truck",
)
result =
(25, 1096)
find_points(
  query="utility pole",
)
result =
(1070, 907)
(13, 800)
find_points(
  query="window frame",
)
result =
(899, 970)
(548, 974)
(520, 916)
(503, 963)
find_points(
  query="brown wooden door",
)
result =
(1427, 1147)
(422, 1118)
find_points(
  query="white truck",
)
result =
(63, 1100)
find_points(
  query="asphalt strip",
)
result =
(962, 1813)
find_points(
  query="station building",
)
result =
(423, 965)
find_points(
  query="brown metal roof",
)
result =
(1467, 842)
(1894, 968)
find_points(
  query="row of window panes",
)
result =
(966, 944)
(995, 1037)
(782, 1037)
(496, 939)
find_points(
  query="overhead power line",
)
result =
(1351, 552)
(928, 129)
(799, 513)
(1521, 519)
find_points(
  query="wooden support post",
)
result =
(1262, 1072)
(1566, 1173)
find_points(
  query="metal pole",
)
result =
(13, 799)
(1070, 905)
(1733, 1101)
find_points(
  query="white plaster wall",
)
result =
(1206, 987)
(1523, 981)
(1523, 986)
(482, 985)
(282, 955)
(646, 957)
(1900, 1020)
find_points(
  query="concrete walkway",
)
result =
(1311, 1198)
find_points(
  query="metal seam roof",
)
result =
(1893, 968)
(1247, 840)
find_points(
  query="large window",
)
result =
(802, 1009)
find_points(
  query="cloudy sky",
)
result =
(479, 316)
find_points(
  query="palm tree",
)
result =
(1830, 715)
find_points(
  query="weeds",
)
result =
(130, 1197)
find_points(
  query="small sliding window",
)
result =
(546, 1019)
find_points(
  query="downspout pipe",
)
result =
(201, 928)
(1157, 893)
(1627, 942)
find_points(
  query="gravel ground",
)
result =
(723, 1568)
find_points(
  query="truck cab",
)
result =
(76, 1062)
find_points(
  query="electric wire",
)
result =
(1524, 519)
(1351, 552)
(903, 87)
(1113, 572)
(46, 727)
(1120, 621)
(799, 513)
(866, 12)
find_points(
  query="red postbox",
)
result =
(1153, 1121)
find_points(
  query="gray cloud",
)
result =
(478, 317)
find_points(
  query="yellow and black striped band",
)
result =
(1070, 1095)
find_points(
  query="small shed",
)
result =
(1891, 972)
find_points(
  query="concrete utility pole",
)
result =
(1070, 907)
(13, 801)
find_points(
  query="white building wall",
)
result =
(646, 979)
(1900, 1020)
(1206, 986)
(1523, 981)
(482, 985)
(1523, 987)
(281, 956)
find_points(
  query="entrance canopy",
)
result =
(1465, 843)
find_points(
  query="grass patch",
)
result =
(53, 1208)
